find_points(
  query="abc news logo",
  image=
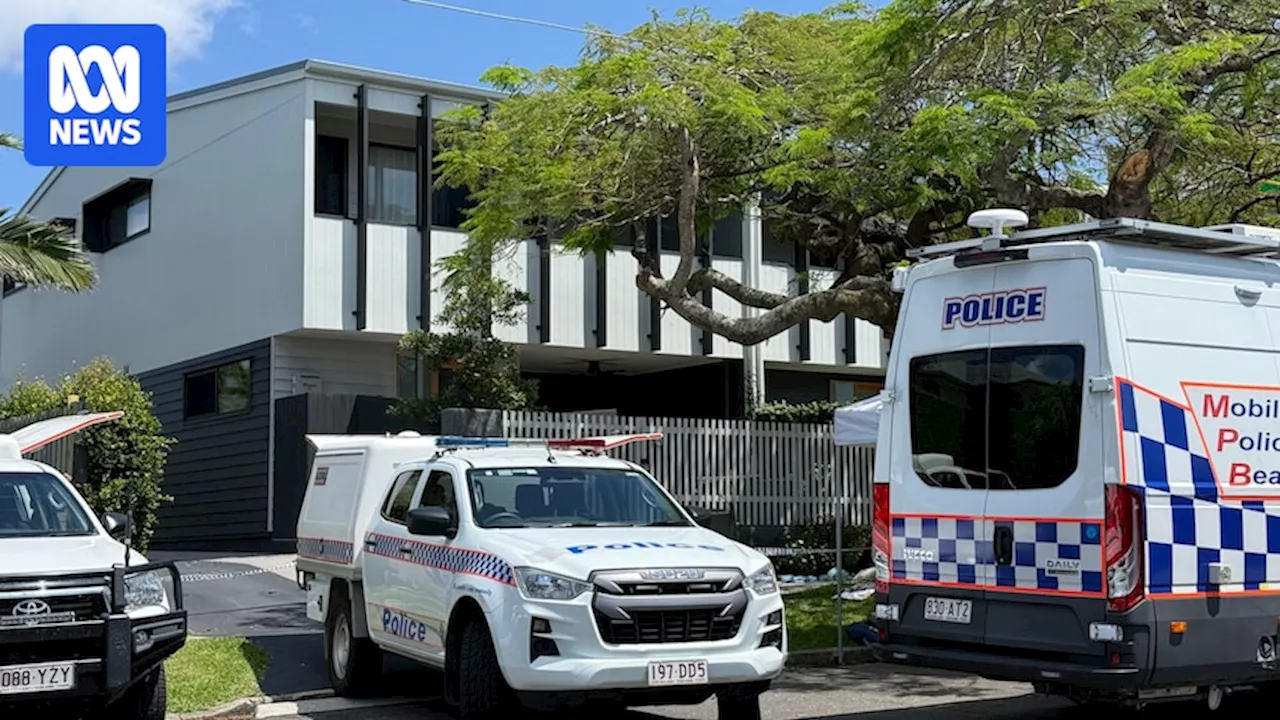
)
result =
(69, 90)
(95, 95)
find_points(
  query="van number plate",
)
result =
(681, 672)
(47, 677)
(948, 610)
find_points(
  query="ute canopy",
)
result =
(859, 423)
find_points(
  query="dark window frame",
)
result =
(412, 222)
(106, 215)
(977, 402)
(215, 373)
(343, 175)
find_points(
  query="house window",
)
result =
(406, 376)
(331, 175)
(218, 391)
(848, 391)
(137, 218)
(117, 216)
(726, 236)
(393, 185)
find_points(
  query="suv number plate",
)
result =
(680, 672)
(948, 610)
(45, 677)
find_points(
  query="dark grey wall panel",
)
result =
(217, 469)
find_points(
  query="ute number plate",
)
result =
(948, 610)
(681, 672)
(45, 677)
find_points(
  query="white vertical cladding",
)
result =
(330, 288)
(825, 346)
(628, 309)
(514, 267)
(444, 243)
(725, 305)
(678, 336)
(568, 298)
(872, 347)
(393, 262)
(752, 261)
(776, 277)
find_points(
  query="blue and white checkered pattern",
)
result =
(334, 551)
(457, 560)
(959, 551)
(1188, 525)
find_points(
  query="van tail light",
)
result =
(1124, 548)
(881, 532)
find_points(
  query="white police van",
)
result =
(86, 622)
(1077, 481)
(535, 573)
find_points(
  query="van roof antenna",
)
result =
(996, 220)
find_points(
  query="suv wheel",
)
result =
(483, 693)
(147, 700)
(731, 707)
(354, 663)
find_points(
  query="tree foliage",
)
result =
(483, 371)
(862, 134)
(41, 254)
(125, 458)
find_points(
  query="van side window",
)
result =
(439, 492)
(396, 508)
(1006, 418)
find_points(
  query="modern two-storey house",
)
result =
(263, 275)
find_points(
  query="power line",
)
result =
(513, 18)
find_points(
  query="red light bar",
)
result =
(603, 442)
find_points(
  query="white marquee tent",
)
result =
(859, 423)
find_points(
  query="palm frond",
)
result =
(9, 140)
(43, 255)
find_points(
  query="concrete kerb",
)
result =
(247, 708)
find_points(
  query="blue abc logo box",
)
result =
(94, 95)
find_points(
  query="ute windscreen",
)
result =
(1005, 418)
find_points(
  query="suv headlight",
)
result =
(763, 581)
(143, 591)
(541, 585)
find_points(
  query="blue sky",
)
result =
(214, 40)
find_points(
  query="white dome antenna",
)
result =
(997, 219)
(9, 448)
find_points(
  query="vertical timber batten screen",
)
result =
(768, 474)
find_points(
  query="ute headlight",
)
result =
(763, 581)
(144, 591)
(538, 584)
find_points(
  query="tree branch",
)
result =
(686, 212)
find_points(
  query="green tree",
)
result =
(483, 371)
(41, 254)
(862, 134)
(125, 458)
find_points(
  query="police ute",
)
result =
(1077, 477)
(86, 622)
(534, 573)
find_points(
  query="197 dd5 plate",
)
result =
(44, 677)
(948, 610)
(678, 672)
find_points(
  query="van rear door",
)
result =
(937, 491)
(1045, 463)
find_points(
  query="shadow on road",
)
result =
(903, 682)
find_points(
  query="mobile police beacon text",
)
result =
(94, 95)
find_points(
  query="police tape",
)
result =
(794, 552)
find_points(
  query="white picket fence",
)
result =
(767, 474)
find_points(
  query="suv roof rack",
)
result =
(1234, 240)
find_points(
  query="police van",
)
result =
(1077, 481)
(538, 573)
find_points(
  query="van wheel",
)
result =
(730, 707)
(355, 664)
(483, 693)
(148, 700)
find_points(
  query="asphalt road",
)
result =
(865, 692)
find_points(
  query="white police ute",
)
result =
(537, 573)
(86, 622)
(1076, 480)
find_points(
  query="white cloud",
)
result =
(188, 23)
